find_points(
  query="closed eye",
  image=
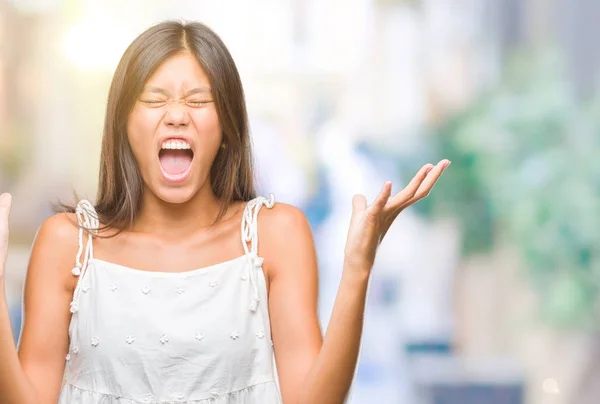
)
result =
(160, 103)
(153, 103)
(197, 104)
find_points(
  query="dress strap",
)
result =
(88, 221)
(250, 236)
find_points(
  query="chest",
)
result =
(126, 313)
(161, 253)
(137, 332)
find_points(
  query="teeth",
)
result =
(176, 144)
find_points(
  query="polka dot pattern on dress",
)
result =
(157, 319)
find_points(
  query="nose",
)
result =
(176, 115)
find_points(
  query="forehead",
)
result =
(179, 72)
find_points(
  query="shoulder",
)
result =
(63, 227)
(282, 217)
(60, 228)
(55, 244)
(285, 236)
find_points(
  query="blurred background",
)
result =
(485, 292)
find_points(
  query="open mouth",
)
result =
(175, 158)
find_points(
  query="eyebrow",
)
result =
(193, 91)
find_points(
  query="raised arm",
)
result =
(33, 375)
(311, 369)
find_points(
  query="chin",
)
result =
(175, 195)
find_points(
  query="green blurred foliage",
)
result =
(526, 167)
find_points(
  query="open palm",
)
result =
(369, 224)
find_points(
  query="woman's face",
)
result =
(174, 130)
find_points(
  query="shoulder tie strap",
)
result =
(88, 221)
(250, 235)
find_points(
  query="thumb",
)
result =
(359, 203)
(5, 203)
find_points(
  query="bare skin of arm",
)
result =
(291, 264)
(303, 357)
(313, 369)
(33, 374)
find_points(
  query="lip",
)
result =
(184, 175)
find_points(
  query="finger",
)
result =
(411, 189)
(5, 203)
(359, 203)
(425, 186)
(430, 180)
(381, 200)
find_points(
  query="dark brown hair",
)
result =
(120, 183)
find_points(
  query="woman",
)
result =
(168, 300)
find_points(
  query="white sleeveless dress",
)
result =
(200, 336)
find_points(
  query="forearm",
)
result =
(331, 376)
(14, 385)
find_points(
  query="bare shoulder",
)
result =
(283, 225)
(281, 217)
(60, 230)
(60, 225)
(285, 235)
(56, 244)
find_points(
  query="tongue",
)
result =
(175, 162)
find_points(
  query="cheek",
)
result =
(140, 128)
(209, 131)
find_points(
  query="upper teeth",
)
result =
(176, 144)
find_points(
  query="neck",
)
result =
(176, 220)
